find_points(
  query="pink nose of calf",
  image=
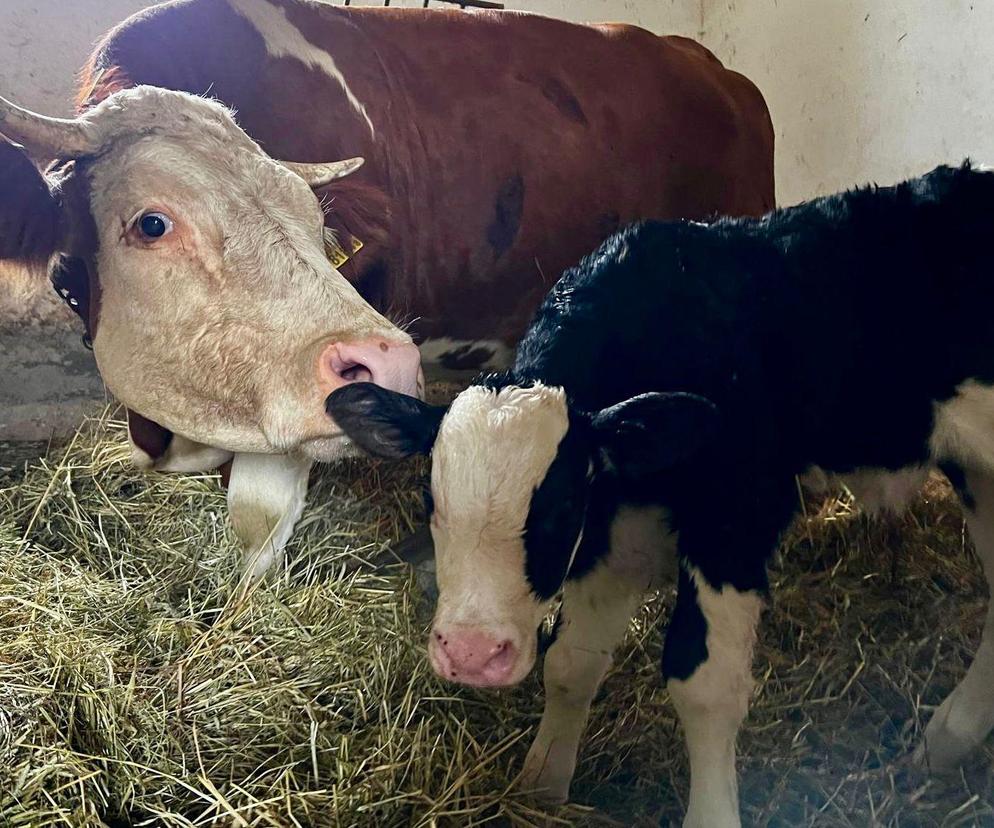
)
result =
(472, 657)
(392, 365)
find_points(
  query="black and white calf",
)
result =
(669, 390)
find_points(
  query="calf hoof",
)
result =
(942, 751)
(946, 742)
(730, 820)
(547, 774)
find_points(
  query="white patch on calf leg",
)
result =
(266, 495)
(596, 611)
(964, 427)
(714, 700)
(964, 719)
(595, 616)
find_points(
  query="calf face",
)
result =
(198, 262)
(512, 468)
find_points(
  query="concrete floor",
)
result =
(48, 380)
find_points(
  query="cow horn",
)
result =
(317, 175)
(55, 137)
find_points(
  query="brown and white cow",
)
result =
(499, 148)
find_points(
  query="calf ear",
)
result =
(30, 216)
(653, 432)
(384, 423)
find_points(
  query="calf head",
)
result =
(198, 265)
(512, 471)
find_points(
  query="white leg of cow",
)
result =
(596, 612)
(964, 719)
(181, 455)
(713, 700)
(266, 495)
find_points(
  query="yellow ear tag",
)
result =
(339, 252)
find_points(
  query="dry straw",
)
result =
(137, 687)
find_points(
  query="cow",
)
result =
(499, 147)
(668, 391)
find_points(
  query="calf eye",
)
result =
(154, 225)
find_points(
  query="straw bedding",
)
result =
(138, 686)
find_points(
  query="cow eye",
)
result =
(154, 225)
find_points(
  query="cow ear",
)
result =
(385, 423)
(654, 432)
(358, 219)
(31, 225)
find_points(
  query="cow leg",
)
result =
(596, 613)
(266, 495)
(707, 661)
(154, 448)
(964, 719)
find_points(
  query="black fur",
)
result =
(556, 514)
(383, 423)
(824, 334)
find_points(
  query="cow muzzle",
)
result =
(389, 364)
(478, 657)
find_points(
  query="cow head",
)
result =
(198, 263)
(512, 471)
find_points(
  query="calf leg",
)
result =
(266, 495)
(595, 616)
(707, 661)
(964, 719)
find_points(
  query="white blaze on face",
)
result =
(492, 452)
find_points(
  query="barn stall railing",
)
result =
(476, 4)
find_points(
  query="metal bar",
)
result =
(478, 4)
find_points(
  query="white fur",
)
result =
(283, 39)
(266, 496)
(595, 615)
(492, 451)
(966, 716)
(217, 329)
(876, 490)
(714, 700)
(182, 455)
(964, 427)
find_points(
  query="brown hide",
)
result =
(31, 225)
(506, 146)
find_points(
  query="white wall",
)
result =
(864, 90)
(43, 43)
(859, 89)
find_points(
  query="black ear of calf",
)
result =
(653, 432)
(30, 216)
(385, 423)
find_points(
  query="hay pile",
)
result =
(136, 687)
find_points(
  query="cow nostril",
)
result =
(355, 372)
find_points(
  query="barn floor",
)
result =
(138, 688)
